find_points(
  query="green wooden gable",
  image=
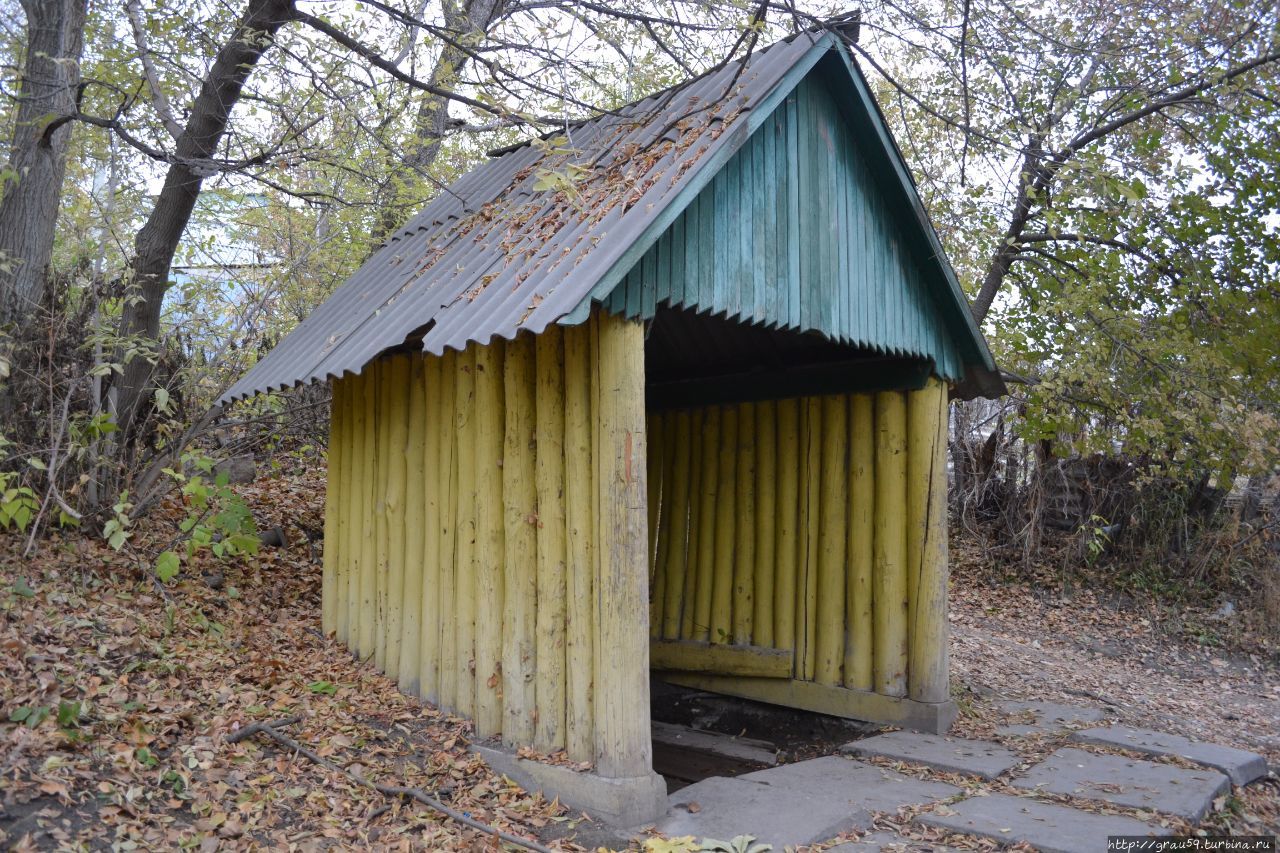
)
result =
(809, 227)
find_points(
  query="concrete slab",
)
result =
(862, 786)
(1241, 767)
(619, 802)
(1047, 827)
(801, 803)
(953, 755)
(1048, 716)
(723, 808)
(1126, 782)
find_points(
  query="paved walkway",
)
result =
(812, 801)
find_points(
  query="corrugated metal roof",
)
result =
(504, 249)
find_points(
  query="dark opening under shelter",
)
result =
(668, 392)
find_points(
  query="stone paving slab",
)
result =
(1049, 717)
(861, 785)
(724, 808)
(953, 755)
(1241, 767)
(1126, 782)
(1047, 827)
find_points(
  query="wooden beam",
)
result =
(935, 718)
(719, 659)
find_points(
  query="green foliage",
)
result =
(218, 521)
(1140, 298)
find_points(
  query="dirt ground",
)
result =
(118, 694)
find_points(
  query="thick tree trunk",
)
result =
(29, 208)
(158, 239)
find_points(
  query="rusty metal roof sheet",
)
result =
(536, 235)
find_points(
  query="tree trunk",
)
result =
(158, 239)
(29, 208)
(464, 23)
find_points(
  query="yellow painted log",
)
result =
(434, 421)
(415, 527)
(744, 556)
(787, 541)
(675, 553)
(464, 580)
(489, 551)
(552, 548)
(889, 546)
(810, 531)
(396, 409)
(833, 536)
(765, 523)
(332, 546)
(623, 744)
(653, 489)
(580, 525)
(928, 665)
(720, 659)
(858, 599)
(707, 523)
(352, 506)
(688, 599)
(448, 483)
(726, 506)
(337, 491)
(367, 642)
(520, 509)
(382, 531)
(660, 536)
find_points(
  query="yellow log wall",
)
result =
(815, 525)
(486, 537)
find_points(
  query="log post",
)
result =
(927, 675)
(623, 745)
(890, 576)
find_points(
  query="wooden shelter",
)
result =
(668, 392)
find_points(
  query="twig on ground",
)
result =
(272, 730)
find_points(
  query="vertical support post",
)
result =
(858, 609)
(449, 484)
(435, 434)
(580, 528)
(890, 559)
(395, 407)
(520, 508)
(415, 526)
(621, 661)
(744, 552)
(352, 511)
(788, 537)
(675, 551)
(705, 529)
(488, 555)
(551, 607)
(462, 661)
(368, 509)
(722, 584)
(927, 671)
(833, 518)
(332, 540)
(766, 522)
(809, 525)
